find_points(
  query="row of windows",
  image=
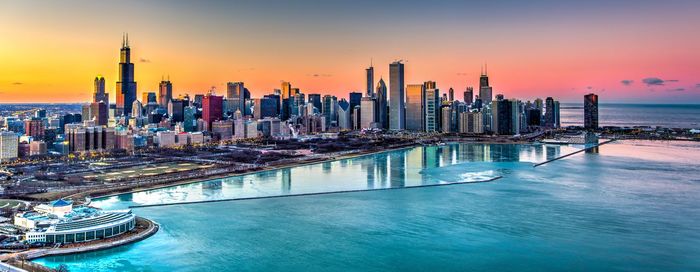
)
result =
(90, 235)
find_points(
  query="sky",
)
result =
(625, 51)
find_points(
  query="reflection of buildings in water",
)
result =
(212, 188)
(414, 163)
(235, 182)
(476, 152)
(539, 152)
(343, 163)
(382, 170)
(431, 159)
(369, 168)
(552, 152)
(397, 166)
(445, 158)
(265, 175)
(528, 152)
(453, 153)
(126, 197)
(212, 185)
(593, 150)
(326, 166)
(286, 180)
(505, 153)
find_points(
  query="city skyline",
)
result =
(199, 47)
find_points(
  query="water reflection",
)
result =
(406, 167)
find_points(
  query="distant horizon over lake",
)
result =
(610, 114)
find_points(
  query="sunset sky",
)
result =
(626, 51)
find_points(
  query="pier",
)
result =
(574, 153)
(312, 194)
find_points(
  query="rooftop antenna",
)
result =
(127, 39)
(370, 62)
(123, 39)
(486, 67)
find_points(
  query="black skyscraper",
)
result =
(126, 86)
(590, 111)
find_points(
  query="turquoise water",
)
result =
(634, 206)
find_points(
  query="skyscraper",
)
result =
(506, 117)
(590, 111)
(551, 116)
(212, 108)
(235, 91)
(469, 95)
(381, 110)
(485, 91)
(34, 127)
(149, 98)
(330, 103)
(397, 115)
(451, 94)
(315, 99)
(286, 90)
(126, 86)
(446, 119)
(165, 93)
(414, 107)
(355, 98)
(367, 113)
(8, 146)
(264, 107)
(100, 112)
(344, 113)
(100, 94)
(370, 81)
(431, 103)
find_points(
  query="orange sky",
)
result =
(51, 52)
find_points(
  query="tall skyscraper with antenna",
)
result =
(126, 86)
(485, 91)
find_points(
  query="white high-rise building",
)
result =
(367, 113)
(9, 143)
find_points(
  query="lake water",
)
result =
(627, 115)
(634, 206)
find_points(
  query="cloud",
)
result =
(320, 75)
(697, 85)
(676, 90)
(461, 74)
(144, 60)
(627, 82)
(589, 87)
(653, 81)
(17, 83)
